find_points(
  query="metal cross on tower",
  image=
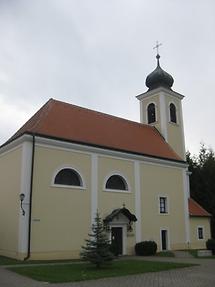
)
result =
(157, 47)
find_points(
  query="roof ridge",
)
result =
(67, 121)
(104, 114)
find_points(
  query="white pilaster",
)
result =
(186, 208)
(94, 186)
(182, 132)
(137, 201)
(142, 114)
(25, 188)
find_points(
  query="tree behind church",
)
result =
(202, 182)
(97, 249)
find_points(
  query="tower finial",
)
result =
(157, 48)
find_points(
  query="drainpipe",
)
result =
(30, 198)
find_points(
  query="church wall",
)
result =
(196, 222)
(60, 216)
(10, 181)
(162, 181)
(110, 200)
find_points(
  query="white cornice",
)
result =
(108, 152)
(53, 143)
(15, 143)
(158, 90)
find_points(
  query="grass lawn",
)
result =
(10, 261)
(85, 271)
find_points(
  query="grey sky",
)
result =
(97, 54)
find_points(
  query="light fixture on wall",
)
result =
(21, 197)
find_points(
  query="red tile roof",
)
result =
(76, 124)
(196, 210)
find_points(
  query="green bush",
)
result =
(210, 244)
(146, 248)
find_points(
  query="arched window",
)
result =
(151, 113)
(116, 182)
(68, 176)
(172, 112)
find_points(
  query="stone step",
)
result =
(182, 254)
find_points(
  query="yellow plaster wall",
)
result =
(110, 200)
(175, 132)
(169, 182)
(196, 222)
(10, 177)
(60, 216)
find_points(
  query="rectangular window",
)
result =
(200, 233)
(163, 204)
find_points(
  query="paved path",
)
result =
(197, 276)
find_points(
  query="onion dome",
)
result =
(159, 78)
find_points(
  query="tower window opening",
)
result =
(151, 113)
(172, 110)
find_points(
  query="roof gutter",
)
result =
(180, 161)
(30, 198)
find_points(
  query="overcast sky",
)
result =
(97, 54)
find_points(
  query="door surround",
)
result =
(124, 236)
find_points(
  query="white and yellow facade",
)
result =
(58, 218)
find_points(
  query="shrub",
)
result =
(146, 248)
(210, 244)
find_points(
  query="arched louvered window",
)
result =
(172, 111)
(68, 176)
(151, 113)
(116, 182)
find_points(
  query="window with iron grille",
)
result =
(163, 204)
(200, 233)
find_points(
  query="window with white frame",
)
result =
(163, 207)
(116, 182)
(151, 113)
(200, 232)
(68, 177)
(172, 112)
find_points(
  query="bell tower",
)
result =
(161, 107)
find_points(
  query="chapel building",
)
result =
(67, 162)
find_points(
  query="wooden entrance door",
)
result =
(116, 240)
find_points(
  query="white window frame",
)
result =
(156, 111)
(128, 190)
(166, 205)
(81, 187)
(203, 232)
(176, 110)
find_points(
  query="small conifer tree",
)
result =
(97, 249)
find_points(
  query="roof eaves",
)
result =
(100, 146)
(200, 215)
